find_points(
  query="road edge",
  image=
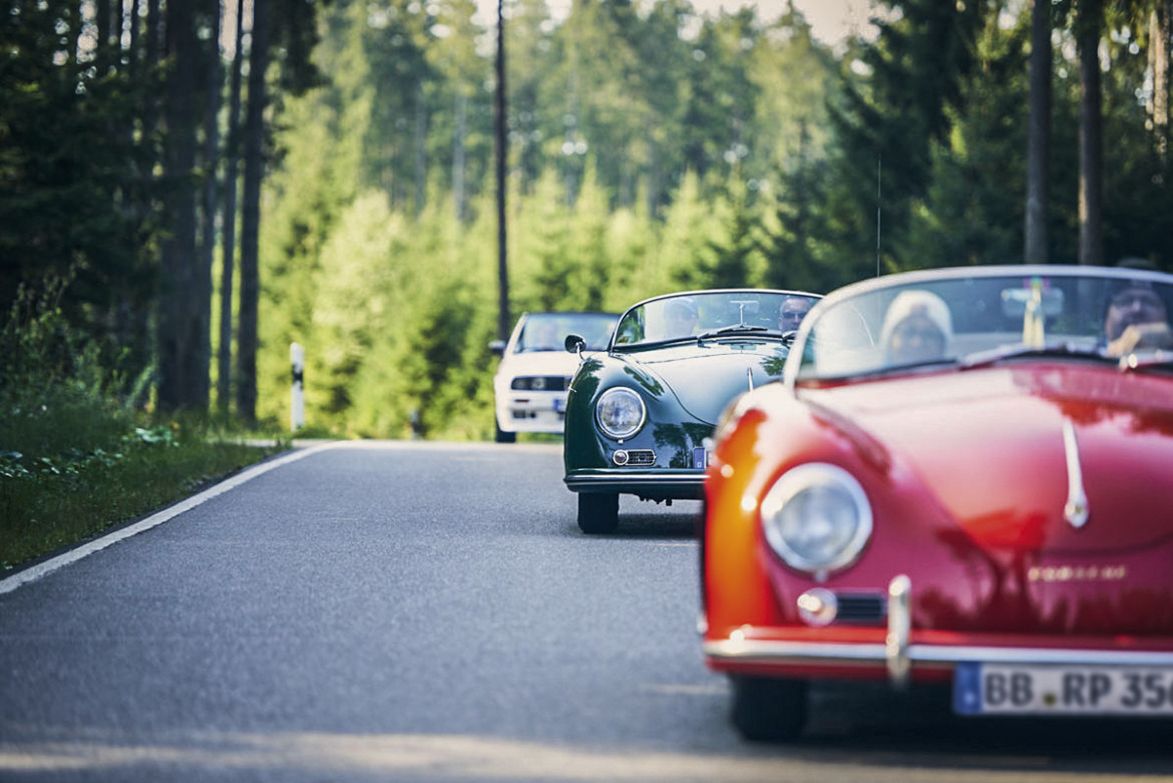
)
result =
(35, 572)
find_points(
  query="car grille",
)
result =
(634, 458)
(861, 608)
(541, 383)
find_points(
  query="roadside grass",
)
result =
(539, 437)
(48, 503)
(79, 450)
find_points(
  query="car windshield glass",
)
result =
(944, 319)
(712, 314)
(548, 331)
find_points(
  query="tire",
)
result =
(598, 513)
(503, 436)
(767, 709)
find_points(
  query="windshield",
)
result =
(949, 316)
(712, 313)
(548, 331)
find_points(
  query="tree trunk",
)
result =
(133, 311)
(503, 318)
(228, 223)
(178, 320)
(1159, 63)
(1089, 23)
(132, 53)
(102, 27)
(420, 144)
(151, 62)
(153, 26)
(254, 132)
(208, 238)
(653, 193)
(1039, 135)
(458, 155)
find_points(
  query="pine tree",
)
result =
(732, 259)
(972, 211)
(893, 106)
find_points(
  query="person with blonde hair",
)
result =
(918, 327)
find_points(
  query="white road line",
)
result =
(72, 556)
(33, 573)
(469, 446)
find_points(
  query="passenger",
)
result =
(918, 327)
(792, 311)
(1135, 317)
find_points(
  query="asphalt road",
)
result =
(431, 612)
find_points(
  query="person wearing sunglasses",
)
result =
(1135, 318)
(791, 312)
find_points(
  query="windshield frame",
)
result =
(612, 347)
(863, 288)
(515, 346)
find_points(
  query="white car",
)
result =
(531, 381)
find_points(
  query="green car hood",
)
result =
(704, 378)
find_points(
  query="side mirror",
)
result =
(497, 347)
(574, 343)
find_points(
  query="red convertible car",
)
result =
(966, 477)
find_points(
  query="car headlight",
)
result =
(620, 412)
(817, 517)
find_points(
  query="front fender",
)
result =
(669, 430)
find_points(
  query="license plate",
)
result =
(560, 405)
(998, 689)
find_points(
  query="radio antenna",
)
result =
(879, 201)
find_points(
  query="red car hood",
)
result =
(988, 446)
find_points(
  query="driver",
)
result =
(1135, 317)
(918, 327)
(792, 311)
(680, 318)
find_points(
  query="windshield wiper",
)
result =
(724, 330)
(995, 355)
(1149, 360)
(916, 365)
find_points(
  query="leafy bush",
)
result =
(55, 400)
(75, 454)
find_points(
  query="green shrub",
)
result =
(55, 403)
(76, 456)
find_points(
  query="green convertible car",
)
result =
(638, 416)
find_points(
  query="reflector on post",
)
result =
(297, 389)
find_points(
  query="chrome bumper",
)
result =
(898, 655)
(683, 485)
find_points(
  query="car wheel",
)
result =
(598, 513)
(767, 709)
(503, 436)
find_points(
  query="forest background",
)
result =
(650, 148)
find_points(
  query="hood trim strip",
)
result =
(1075, 510)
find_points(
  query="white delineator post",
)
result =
(297, 391)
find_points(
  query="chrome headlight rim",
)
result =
(620, 391)
(800, 479)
